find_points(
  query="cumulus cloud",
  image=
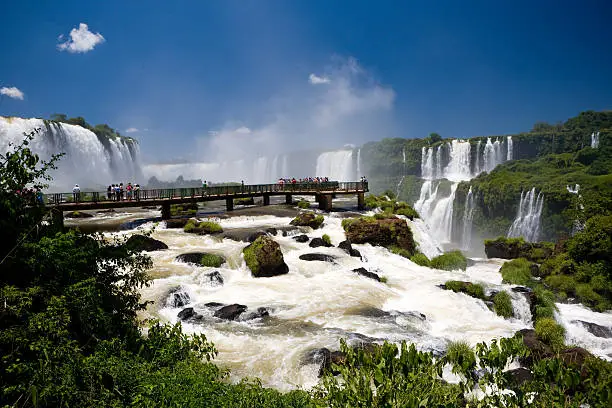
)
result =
(352, 107)
(81, 40)
(317, 80)
(131, 130)
(12, 92)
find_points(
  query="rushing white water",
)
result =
(317, 303)
(571, 317)
(337, 165)
(527, 221)
(428, 244)
(459, 167)
(492, 155)
(404, 155)
(468, 217)
(359, 173)
(573, 190)
(86, 162)
(439, 173)
(510, 148)
(595, 140)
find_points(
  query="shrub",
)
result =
(502, 304)
(475, 290)
(189, 226)
(420, 259)
(400, 251)
(383, 279)
(550, 332)
(408, 212)
(210, 227)
(318, 221)
(544, 303)
(563, 283)
(449, 261)
(326, 239)
(560, 264)
(212, 260)
(586, 295)
(455, 286)
(517, 272)
(461, 356)
(303, 204)
(346, 222)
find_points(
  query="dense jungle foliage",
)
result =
(70, 337)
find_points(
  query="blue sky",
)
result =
(203, 78)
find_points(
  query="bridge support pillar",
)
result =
(165, 211)
(58, 218)
(229, 204)
(288, 199)
(360, 201)
(266, 200)
(325, 202)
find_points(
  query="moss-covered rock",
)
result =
(264, 258)
(244, 201)
(202, 228)
(139, 242)
(78, 214)
(472, 289)
(307, 219)
(202, 259)
(449, 261)
(387, 232)
(511, 248)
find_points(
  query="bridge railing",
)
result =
(212, 191)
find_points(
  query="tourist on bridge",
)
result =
(76, 193)
(128, 189)
(109, 192)
(120, 191)
(137, 192)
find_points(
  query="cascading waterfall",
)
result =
(359, 173)
(438, 173)
(578, 223)
(595, 140)
(468, 217)
(478, 166)
(337, 165)
(527, 221)
(404, 155)
(458, 167)
(510, 148)
(492, 155)
(89, 161)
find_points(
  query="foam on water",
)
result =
(576, 333)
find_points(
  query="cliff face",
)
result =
(93, 157)
(499, 169)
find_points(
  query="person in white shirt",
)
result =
(76, 193)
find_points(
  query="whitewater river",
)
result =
(317, 303)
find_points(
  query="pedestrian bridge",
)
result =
(323, 192)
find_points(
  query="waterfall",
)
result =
(492, 155)
(427, 170)
(398, 188)
(403, 155)
(359, 173)
(468, 217)
(595, 140)
(573, 190)
(439, 162)
(458, 167)
(440, 217)
(527, 221)
(90, 161)
(510, 148)
(337, 165)
(478, 167)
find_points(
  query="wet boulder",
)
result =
(189, 314)
(307, 219)
(230, 312)
(178, 298)
(318, 257)
(201, 259)
(538, 349)
(348, 248)
(176, 222)
(243, 234)
(318, 242)
(139, 242)
(364, 272)
(386, 232)
(261, 312)
(264, 258)
(518, 376)
(511, 248)
(213, 278)
(78, 214)
(596, 329)
(301, 238)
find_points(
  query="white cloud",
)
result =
(12, 92)
(351, 108)
(317, 80)
(131, 130)
(81, 40)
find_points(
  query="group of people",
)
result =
(116, 192)
(283, 181)
(31, 194)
